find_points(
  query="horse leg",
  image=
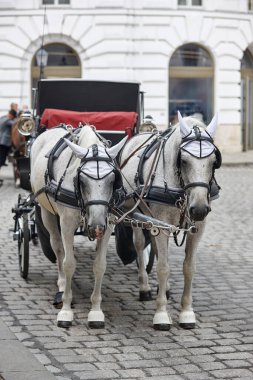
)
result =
(162, 320)
(96, 316)
(139, 242)
(187, 318)
(65, 315)
(50, 221)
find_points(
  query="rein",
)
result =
(143, 191)
(156, 145)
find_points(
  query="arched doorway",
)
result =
(62, 61)
(247, 100)
(191, 81)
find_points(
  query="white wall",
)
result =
(130, 40)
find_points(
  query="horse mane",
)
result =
(191, 121)
(87, 136)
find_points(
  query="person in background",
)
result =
(148, 125)
(14, 106)
(18, 149)
(6, 123)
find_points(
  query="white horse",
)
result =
(184, 158)
(86, 169)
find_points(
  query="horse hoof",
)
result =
(162, 327)
(96, 324)
(145, 295)
(64, 319)
(64, 324)
(187, 326)
(162, 321)
(57, 303)
(96, 319)
(187, 320)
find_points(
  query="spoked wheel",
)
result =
(23, 245)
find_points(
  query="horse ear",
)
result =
(184, 129)
(79, 151)
(114, 150)
(211, 128)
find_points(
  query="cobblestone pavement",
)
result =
(221, 346)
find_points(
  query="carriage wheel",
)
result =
(23, 246)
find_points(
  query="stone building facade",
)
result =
(192, 55)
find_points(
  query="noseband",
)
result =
(198, 137)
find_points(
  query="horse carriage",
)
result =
(85, 179)
(114, 108)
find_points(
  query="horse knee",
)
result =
(69, 265)
(163, 272)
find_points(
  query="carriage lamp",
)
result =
(26, 124)
(41, 58)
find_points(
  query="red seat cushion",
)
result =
(107, 121)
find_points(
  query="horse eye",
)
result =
(183, 162)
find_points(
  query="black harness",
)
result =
(217, 164)
(118, 196)
(74, 198)
(166, 194)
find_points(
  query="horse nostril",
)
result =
(191, 210)
(199, 213)
(96, 232)
(99, 231)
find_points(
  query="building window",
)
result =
(62, 62)
(60, 55)
(189, 3)
(247, 60)
(191, 83)
(55, 2)
(246, 100)
(250, 5)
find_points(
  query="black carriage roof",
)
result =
(88, 95)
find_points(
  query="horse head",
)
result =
(95, 182)
(197, 159)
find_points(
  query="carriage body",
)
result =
(115, 109)
(110, 106)
(87, 99)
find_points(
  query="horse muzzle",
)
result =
(96, 232)
(198, 213)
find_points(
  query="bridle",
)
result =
(118, 195)
(217, 164)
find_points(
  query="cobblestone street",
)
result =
(221, 346)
